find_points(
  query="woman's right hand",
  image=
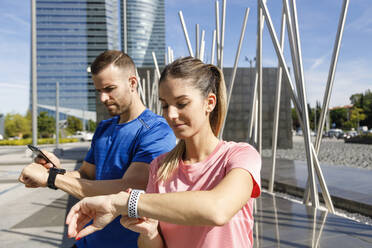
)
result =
(145, 226)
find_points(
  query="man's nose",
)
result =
(104, 97)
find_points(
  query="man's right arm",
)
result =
(86, 171)
(82, 183)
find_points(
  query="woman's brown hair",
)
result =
(208, 79)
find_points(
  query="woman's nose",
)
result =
(172, 113)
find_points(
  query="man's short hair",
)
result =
(115, 57)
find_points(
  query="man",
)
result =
(121, 149)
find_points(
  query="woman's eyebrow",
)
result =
(177, 98)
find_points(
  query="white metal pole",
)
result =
(186, 34)
(218, 32)
(169, 55)
(302, 91)
(156, 64)
(293, 95)
(231, 85)
(57, 116)
(253, 98)
(34, 72)
(202, 49)
(197, 45)
(223, 20)
(125, 33)
(213, 46)
(259, 73)
(172, 55)
(148, 87)
(277, 108)
(331, 74)
(201, 41)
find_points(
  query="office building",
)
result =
(70, 34)
(143, 30)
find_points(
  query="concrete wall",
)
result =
(240, 106)
(237, 119)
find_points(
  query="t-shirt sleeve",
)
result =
(90, 155)
(157, 140)
(246, 157)
(152, 184)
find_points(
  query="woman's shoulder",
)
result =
(232, 146)
(158, 160)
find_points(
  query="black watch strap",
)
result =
(52, 176)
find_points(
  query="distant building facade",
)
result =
(145, 30)
(70, 34)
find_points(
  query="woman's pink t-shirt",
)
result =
(238, 232)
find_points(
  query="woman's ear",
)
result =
(211, 102)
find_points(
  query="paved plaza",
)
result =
(35, 217)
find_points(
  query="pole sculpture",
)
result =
(297, 94)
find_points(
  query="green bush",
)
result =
(23, 142)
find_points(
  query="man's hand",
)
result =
(34, 175)
(102, 209)
(52, 158)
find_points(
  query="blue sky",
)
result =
(318, 20)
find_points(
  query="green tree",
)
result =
(16, 125)
(339, 116)
(46, 125)
(357, 115)
(74, 124)
(91, 126)
(364, 102)
(295, 121)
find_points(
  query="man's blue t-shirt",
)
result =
(114, 147)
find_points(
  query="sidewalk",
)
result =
(17, 155)
(35, 217)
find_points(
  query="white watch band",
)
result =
(133, 202)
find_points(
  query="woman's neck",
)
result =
(199, 147)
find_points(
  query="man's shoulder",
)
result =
(108, 122)
(150, 120)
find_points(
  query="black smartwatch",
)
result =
(52, 176)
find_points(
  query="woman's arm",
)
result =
(213, 207)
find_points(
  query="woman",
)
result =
(201, 192)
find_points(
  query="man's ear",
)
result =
(133, 83)
(211, 102)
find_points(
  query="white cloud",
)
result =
(350, 77)
(363, 23)
(14, 98)
(14, 85)
(318, 62)
(16, 19)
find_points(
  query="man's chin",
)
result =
(112, 112)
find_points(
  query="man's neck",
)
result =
(133, 112)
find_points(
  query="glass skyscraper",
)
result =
(70, 34)
(145, 25)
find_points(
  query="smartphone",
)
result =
(40, 154)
